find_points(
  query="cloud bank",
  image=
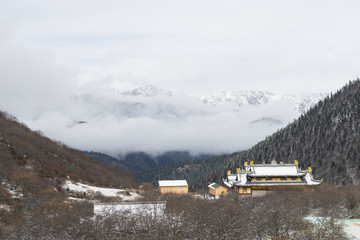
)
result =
(119, 124)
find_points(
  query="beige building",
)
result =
(217, 190)
(173, 187)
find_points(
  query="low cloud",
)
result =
(118, 124)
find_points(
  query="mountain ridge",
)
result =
(135, 162)
(249, 97)
(241, 98)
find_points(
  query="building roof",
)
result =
(173, 183)
(214, 185)
(274, 170)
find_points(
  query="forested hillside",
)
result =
(104, 158)
(327, 137)
(31, 159)
(135, 162)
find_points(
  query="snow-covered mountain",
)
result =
(237, 98)
(301, 103)
(241, 98)
(145, 91)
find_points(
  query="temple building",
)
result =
(259, 179)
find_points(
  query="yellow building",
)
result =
(173, 187)
(260, 179)
(217, 190)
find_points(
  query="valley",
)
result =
(116, 120)
(66, 190)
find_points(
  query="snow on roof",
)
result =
(228, 184)
(214, 185)
(275, 170)
(310, 180)
(172, 183)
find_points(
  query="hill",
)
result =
(327, 137)
(33, 163)
(135, 162)
(104, 158)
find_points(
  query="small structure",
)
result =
(259, 179)
(173, 187)
(217, 190)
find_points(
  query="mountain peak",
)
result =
(145, 91)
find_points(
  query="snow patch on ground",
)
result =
(107, 192)
(205, 197)
(14, 191)
(5, 207)
(76, 199)
(351, 226)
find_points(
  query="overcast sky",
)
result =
(50, 50)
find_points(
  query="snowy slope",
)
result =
(107, 192)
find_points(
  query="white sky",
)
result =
(279, 46)
(51, 49)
